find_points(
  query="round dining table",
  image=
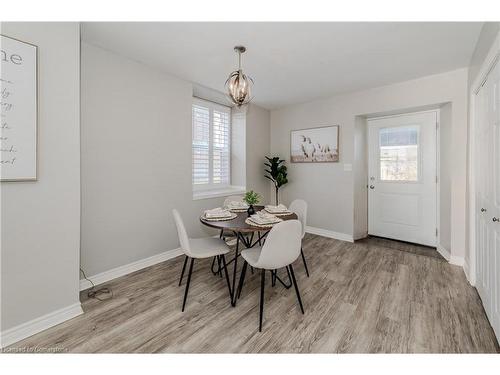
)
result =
(246, 234)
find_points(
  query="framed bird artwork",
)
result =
(315, 145)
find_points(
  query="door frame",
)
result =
(438, 169)
(492, 58)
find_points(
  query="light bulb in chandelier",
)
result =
(239, 85)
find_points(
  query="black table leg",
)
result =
(220, 265)
(223, 258)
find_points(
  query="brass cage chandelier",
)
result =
(239, 85)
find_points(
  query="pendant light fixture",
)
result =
(239, 85)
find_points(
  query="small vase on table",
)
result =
(251, 198)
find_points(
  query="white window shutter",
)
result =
(201, 134)
(211, 145)
(220, 148)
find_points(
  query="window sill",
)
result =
(217, 193)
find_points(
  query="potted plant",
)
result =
(276, 172)
(251, 198)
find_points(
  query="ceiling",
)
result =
(293, 62)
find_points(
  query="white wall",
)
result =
(445, 177)
(238, 148)
(258, 146)
(40, 223)
(360, 178)
(136, 160)
(330, 191)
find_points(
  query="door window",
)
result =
(399, 153)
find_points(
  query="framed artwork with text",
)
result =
(19, 110)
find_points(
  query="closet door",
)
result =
(494, 197)
(488, 196)
(482, 186)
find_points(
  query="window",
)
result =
(211, 145)
(399, 153)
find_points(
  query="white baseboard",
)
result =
(20, 332)
(42, 323)
(330, 234)
(445, 253)
(129, 268)
(360, 236)
(457, 261)
(467, 273)
(452, 259)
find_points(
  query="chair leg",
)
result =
(275, 277)
(218, 270)
(296, 288)
(304, 260)
(188, 282)
(235, 269)
(223, 258)
(242, 279)
(183, 269)
(262, 283)
(220, 264)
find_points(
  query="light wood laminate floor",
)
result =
(373, 296)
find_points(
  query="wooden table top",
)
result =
(238, 224)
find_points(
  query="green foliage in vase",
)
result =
(251, 197)
(276, 172)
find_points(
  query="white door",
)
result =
(402, 177)
(482, 197)
(487, 167)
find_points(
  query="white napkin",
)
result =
(263, 218)
(237, 205)
(217, 213)
(277, 209)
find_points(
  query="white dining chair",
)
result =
(299, 206)
(231, 198)
(281, 249)
(198, 248)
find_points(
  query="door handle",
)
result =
(372, 187)
(483, 209)
(495, 219)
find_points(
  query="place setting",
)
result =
(236, 206)
(218, 214)
(263, 219)
(279, 210)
